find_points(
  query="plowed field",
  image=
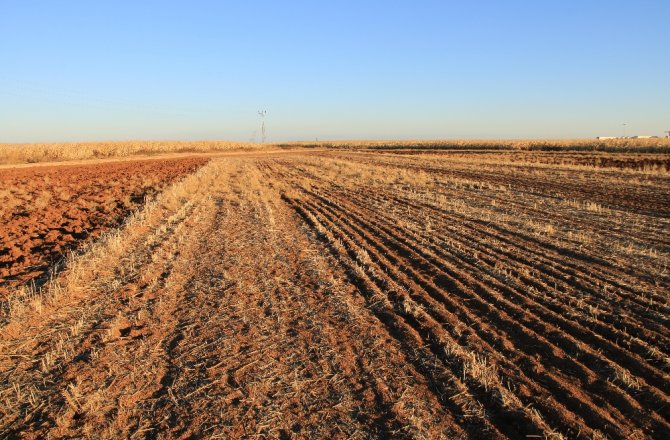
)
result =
(46, 211)
(360, 295)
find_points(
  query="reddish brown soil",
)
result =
(46, 211)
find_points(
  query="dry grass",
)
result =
(657, 145)
(66, 310)
(33, 153)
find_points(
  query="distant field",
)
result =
(33, 153)
(657, 145)
(379, 293)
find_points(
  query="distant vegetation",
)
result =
(31, 153)
(655, 145)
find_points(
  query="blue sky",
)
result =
(115, 70)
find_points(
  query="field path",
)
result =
(310, 296)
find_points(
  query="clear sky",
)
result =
(114, 70)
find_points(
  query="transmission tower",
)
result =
(262, 114)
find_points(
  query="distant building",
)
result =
(604, 138)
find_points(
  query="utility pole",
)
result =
(624, 129)
(262, 114)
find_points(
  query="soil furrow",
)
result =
(431, 331)
(416, 251)
(578, 403)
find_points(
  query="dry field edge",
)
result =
(38, 153)
(48, 211)
(364, 294)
